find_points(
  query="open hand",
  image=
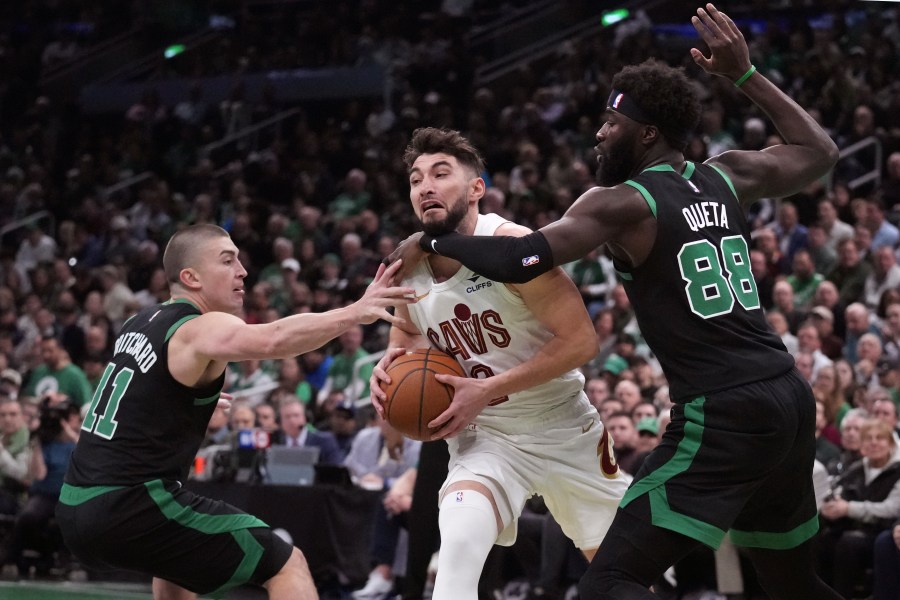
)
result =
(730, 56)
(381, 294)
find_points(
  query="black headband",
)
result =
(624, 104)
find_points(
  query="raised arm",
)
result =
(808, 152)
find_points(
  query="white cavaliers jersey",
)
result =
(489, 330)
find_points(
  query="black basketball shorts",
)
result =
(738, 460)
(163, 530)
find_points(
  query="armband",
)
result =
(740, 80)
(500, 258)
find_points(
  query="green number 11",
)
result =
(105, 427)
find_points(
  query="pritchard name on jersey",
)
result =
(138, 346)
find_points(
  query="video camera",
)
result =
(52, 414)
(242, 459)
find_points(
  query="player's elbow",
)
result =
(831, 153)
(587, 346)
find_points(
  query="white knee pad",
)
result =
(468, 531)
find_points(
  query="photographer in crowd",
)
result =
(51, 449)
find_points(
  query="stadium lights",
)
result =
(611, 17)
(173, 50)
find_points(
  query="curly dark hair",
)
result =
(431, 140)
(666, 95)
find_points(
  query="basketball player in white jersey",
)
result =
(520, 424)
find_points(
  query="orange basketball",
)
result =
(415, 397)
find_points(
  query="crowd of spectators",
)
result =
(315, 211)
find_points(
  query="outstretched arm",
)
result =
(808, 152)
(598, 216)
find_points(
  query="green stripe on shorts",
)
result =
(654, 483)
(73, 495)
(236, 525)
(776, 541)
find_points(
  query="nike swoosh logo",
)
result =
(433, 247)
(423, 295)
(588, 428)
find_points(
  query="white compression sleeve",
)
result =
(468, 531)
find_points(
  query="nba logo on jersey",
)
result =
(459, 496)
(531, 260)
(615, 103)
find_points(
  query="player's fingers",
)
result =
(389, 271)
(711, 26)
(700, 59)
(730, 25)
(380, 272)
(451, 380)
(390, 355)
(379, 407)
(393, 319)
(445, 433)
(375, 390)
(441, 420)
(393, 295)
(393, 353)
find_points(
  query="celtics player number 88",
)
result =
(711, 283)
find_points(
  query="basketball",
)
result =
(414, 396)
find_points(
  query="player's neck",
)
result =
(194, 299)
(442, 267)
(661, 156)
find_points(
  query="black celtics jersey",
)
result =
(694, 296)
(142, 424)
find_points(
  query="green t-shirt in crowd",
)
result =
(70, 380)
(341, 372)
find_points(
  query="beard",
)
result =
(455, 214)
(617, 165)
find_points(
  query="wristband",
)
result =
(745, 76)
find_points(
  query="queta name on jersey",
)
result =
(705, 214)
(138, 346)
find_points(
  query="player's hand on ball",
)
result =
(470, 396)
(380, 377)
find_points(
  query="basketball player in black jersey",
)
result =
(122, 504)
(738, 454)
